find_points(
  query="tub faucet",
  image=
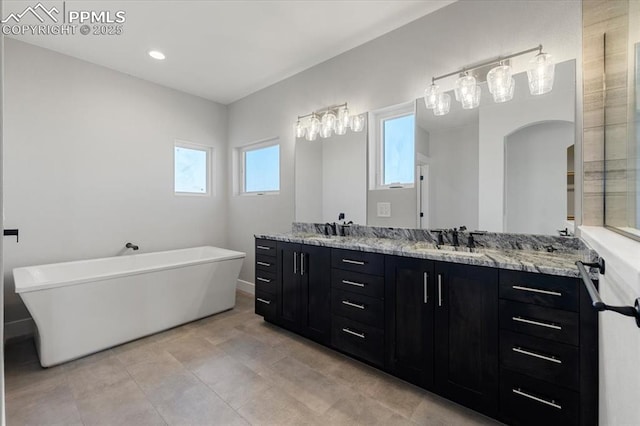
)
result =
(131, 246)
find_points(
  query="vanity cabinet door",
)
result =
(466, 335)
(290, 294)
(315, 276)
(409, 302)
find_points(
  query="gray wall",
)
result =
(88, 162)
(390, 70)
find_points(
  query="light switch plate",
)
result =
(384, 209)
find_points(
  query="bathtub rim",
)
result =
(28, 288)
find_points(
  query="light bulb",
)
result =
(431, 96)
(468, 92)
(541, 74)
(443, 104)
(357, 123)
(300, 129)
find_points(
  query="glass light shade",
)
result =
(443, 104)
(311, 135)
(431, 96)
(300, 129)
(343, 118)
(357, 123)
(328, 121)
(468, 92)
(325, 130)
(541, 73)
(314, 125)
(499, 80)
(504, 94)
(340, 128)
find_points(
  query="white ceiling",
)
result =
(225, 50)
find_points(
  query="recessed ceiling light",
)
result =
(156, 54)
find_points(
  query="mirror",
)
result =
(502, 167)
(331, 178)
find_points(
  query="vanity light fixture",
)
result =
(334, 119)
(540, 74)
(156, 54)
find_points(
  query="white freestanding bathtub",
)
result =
(87, 306)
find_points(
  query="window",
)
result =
(260, 168)
(393, 131)
(192, 168)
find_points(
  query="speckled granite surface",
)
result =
(507, 251)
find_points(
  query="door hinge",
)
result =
(421, 177)
(421, 214)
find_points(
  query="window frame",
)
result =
(376, 144)
(241, 164)
(210, 151)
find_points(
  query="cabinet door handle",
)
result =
(295, 262)
(536, 290)
(263, 263)
(425, 279)
(263, 247)
(352, 283)
(264, 280)
(439, 290)
(353, 333)
(535, 398)
(354, 262)
(538, 323)
(302, 256)
(353, 305)
(267, 302)
(535, 355)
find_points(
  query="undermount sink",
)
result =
(458, 251)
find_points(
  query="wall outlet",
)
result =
(384, 209)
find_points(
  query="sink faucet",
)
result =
(454, 237)
(330, 226)
(131, 246)
(440, 241)
(471, 242)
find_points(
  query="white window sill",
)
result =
(621, 255)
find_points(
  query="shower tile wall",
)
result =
(605, 109)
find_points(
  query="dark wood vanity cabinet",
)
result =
(517, 346)
(410, 299)
(466, 335)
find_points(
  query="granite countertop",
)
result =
(561, 262)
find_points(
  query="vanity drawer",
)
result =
(527, 401)
(358, 261)
(266, 281)
(368, 285)
(265, 247)
(538, 321)
(539, 289)
(362, 341)
(357, 307)
(265, 263)
(266, 304)
(539, 358)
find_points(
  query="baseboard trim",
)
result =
(246, 286)
(20, 328)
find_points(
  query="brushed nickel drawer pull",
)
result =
(264, 280)
(263, 247)
(535, 398)
(439, 290)
(295, 262)
(353, 305)
(354, 262)
(536, 290)
(535, 355)
(538, 323)
(263, 263)
(352, 283)
(424, 282)
(267, 302)
(353, 333)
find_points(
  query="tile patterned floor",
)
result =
(228, 369)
